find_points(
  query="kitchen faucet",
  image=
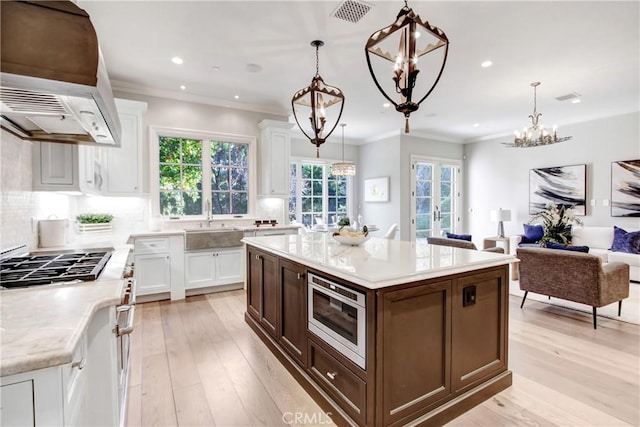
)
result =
(207, 205)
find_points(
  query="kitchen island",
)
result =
(388, 333)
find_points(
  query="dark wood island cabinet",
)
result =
(435, 341)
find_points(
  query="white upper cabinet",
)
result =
(124, 174)
(275, 152)
(67, 167)
(94, 169)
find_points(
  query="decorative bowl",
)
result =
(351, 240)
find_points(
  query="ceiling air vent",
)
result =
(567, 97)
(351, 10)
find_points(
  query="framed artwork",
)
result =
(625, 188)
(563, 185)
(376, 189)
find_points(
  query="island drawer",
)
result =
(349, 391)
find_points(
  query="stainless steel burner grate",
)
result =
(35, 270)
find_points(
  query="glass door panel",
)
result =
(435, 197)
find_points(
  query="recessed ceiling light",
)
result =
(386, 105)
(486, 64)
(475, 125)
(183, 87)
(215, 68)
(576, 101)
(177, 60)
(236, 96)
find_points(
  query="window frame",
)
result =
(325, 187)
(155, 132)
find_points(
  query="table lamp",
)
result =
(499, 216)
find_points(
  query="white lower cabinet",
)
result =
(153, 273)
(214, 268)
(159, 265)
(80, 393)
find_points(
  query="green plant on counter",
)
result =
(94, 218)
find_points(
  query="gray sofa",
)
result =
(573, 276)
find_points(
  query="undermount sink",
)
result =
(213, 239)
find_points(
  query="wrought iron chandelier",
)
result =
(536, 134)
(319, 98)
(412, 33)
(343, 168)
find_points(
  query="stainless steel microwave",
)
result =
(337, 315)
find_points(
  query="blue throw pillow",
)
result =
(532, 233)
(458, 236)
(624, 241)
(553, 245)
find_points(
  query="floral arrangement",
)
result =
(557, 221)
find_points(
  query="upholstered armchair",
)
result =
(573, 276)
(458, 243)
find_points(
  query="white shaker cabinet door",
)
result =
(230, 266)
(153, 273)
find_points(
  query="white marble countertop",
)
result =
(377, 263)
(40, 326)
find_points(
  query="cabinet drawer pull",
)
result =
(80, 365)
(332, 375)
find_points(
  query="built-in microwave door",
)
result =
(338, 321)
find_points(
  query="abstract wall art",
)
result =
(563, 185)
(625, 188)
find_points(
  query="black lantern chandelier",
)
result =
(318, 97)
(536, 134)
(416, 38)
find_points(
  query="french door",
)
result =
(435, 197)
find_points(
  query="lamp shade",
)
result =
(497, 215)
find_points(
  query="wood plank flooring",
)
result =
(196, 363)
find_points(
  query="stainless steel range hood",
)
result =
(53, 83)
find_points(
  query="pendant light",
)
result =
(322, 102)
(414, 38)
(343, 168)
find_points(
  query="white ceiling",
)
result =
(591, 48)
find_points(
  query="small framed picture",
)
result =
(376, 189)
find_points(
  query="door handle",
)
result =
(300, 276)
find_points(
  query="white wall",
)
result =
(498, 176)
(392, 157)
(375, 160)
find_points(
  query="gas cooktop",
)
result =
(45, 269)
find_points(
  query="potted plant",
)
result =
(94, 222)
(557, 221)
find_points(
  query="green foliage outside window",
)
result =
(310, 197)
(181, 177)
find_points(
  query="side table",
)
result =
(492, 242)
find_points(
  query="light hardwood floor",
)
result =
(196, 363)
